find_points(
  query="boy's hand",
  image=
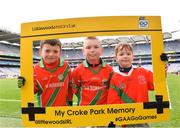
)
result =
(70, 103)
(164, 57)
(21, 81)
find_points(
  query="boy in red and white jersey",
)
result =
(52, 76)
(129, 84)
(91, 77)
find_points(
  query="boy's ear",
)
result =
(115, 58)
(60, 52)
(83, 51)
(102, 50)
(40, 51)
(133, 57)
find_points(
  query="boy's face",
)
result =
(92, 50)
(50, 54)
(124, 58)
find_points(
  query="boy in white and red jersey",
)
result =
(129, 84)
(52, 76)
(91, 77)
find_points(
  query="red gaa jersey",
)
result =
(91, 84)
(53, 86)
(131, 87)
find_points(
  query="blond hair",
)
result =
(92, 38)
(122, 46)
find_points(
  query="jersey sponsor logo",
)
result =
(93, 88)
(52, 85)
(94, 84)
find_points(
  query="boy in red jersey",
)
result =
(129, 84)
(52, 76)
(91, 77)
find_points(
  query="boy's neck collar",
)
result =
(121, 69)
(52, 65)
(42, 64)
(94, 65)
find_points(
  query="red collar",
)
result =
(52, 65)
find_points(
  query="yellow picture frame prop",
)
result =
(100, 115)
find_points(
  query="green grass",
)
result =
(9, 91)
(10, 122)
(10, 110)
(174, 90)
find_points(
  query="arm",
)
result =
(75, 81)
(70, 94)
(149, 77)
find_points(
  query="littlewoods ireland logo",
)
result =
(62, 26)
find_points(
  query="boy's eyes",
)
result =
(96, 46)
(55, 51)
(47, 51)
(121, 54)
(89, 47)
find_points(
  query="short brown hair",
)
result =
(52, 42)
(122, 46)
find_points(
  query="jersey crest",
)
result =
(122, 86)
(60, 77)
